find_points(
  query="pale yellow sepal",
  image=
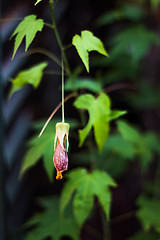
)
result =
(62, 131)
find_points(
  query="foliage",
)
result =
(31, 76)
(28, 29)
(129, 39)
(86, 43)
(50, 223)
(129, 12)
(126, 42)
(99, 116)
(40, 148)
(144, 236)
(143, 145)
(148, 213)
(83, 83)
(87, 185)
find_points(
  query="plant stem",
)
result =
(106, 227)
(58, 37)
(44, 52)
(62, 91)
(54, 111)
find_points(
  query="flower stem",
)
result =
(62, 91)
(67, 68)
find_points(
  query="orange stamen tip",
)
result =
(59, 175)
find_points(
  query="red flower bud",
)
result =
(60, 157)
(60, 160)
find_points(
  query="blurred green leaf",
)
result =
(149, 212)
(86, 43)
(31, 76)
(146, 96)
(129, 12)
(144, 236)
(128, 132)
(41, 148)
(154, 4)
(83, 83)
(87, 185)
(116, 155)
(132, 135)
(27, 28)
(50, 224)
(134, 41)
(153, 142)
(116, 70)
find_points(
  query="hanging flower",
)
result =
(60, 158)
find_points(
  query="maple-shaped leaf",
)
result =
(99, 116)
(50, 224)
(87, 185)
(31, 76)
(41, 148)
(149, 213)
(27, 29)
(86, 43)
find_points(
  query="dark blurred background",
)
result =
(136, 67)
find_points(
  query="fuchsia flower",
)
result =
(60, 158)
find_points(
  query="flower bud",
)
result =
(60, 157)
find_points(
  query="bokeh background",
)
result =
(130, 31)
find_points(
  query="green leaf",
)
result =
(27, 29)
(120, 152)
(99, 110)
(126, 42)
(31, 76)
(38, 1)
(128, 132)
(139, 141)
(49, 223)
(82, 83)
(41, 148)
(149, 213)
(86, 43)
(154, 4)
(87, 185)
(99, 117)
(116, 114)
(128, 12)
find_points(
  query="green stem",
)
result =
(44, 52)
(106, 227)
(58, 37)
(62, 91)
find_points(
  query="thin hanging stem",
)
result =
(62, 91)
(54, 111)
(58, 37)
